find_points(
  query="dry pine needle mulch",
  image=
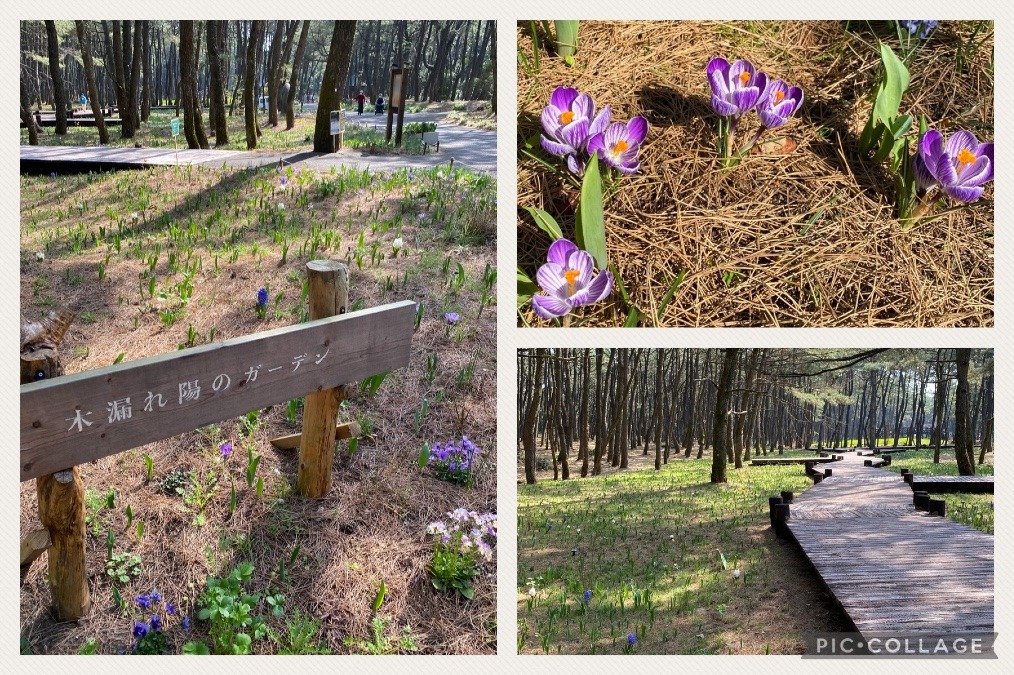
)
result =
(800, 235)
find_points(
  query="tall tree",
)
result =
(216, 38)
(60, 102)
(962, 428)
(93, 90)
(719, 456)
(531, 417)
(249, 81)
(335, 72)
(297, 62)
(26, 115)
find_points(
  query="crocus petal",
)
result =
(600, 122)
(961, 140)
(637, 130)
(583, 107)
(923, 178)
(718, 76)
(600, 287)
(551, 279)
(575, 165)
(596, 143)
(963, 193)
(945, 171)
(563, 97)
(554, 148)
(548, 307)
(583, 262)
(575, 134)
(560, 251)
(627, 169)
(723, 107)
(986, 150)
(976, 173)
(736, 70)
(796, 94)
(551, 121)
(931, 147)
(745, 98)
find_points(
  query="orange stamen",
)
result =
(571, 277)
(966, 156)
(620, 146)
(566, 117)
(744, 78)
(779, 95)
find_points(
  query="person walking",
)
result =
(361, 101)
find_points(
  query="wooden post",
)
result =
(938, 506)
(787, 496)
(61, 495)
(827, 473)
(772, 503)
(329, 295)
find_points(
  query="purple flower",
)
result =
(170, 608)
(186, 623)
(569, 281)
(631, 639)
(735, 89)
(618, 145)
(569, 121)
(140, 630)
(924, 28)
(452, 317)
(959, 167)
(284, 180)
(226, 449)
(143, 601)
(155, 596)
(155, 623)
(587, 597)
(52, 174)
(262, 297)
(777, 103)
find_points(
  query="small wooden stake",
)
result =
(33, 546)
(342, 432)
(329, 295)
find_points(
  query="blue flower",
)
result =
(143, 601)
(155, 623)
(140, 630)
(631, 639)
(170, 608)
(923, 28)
(155, 596)
(452, 317)
(186, 623)
(262, 297)
(587, 597)
(52, 174)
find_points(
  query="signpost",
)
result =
(175, 127)
(337, 130)
(73, 419)
(396, 103)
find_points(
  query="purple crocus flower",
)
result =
(569, 121)
(777, 103)
(736, 88)
(568, 280)
(618, 145)
(452, 317)
(225, 449)
(959, 166)
(924, 28)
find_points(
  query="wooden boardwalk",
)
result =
(131, 158)
(953, 483)
(781, 461)
(893, 568)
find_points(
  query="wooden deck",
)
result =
(893, 568)
(43, 159)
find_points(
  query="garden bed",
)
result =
(173, 257)
(804, 232)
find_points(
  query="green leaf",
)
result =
(566, 37)
(119, 357)
(467, 591)
(632, 318)
(260, 486)
(896, 80)
(619, 284)
(424, 456)
(667, 298)
(378, 600)
(353, 446)
(591, 226)
(525, 285)
(546, 223)
(149, 465)
(196, 649)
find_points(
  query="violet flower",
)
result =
(569, 281)
(958, 167)
(569, 120)
(736, 88)
(777, 103)
(619, 144)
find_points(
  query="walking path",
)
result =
(892, 568)
(474, 148)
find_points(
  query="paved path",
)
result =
(470, 147)
(891, 567)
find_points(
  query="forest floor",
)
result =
(163, 259)
(685, 566)
(803, 231)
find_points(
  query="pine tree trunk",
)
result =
(93, 90)
(335, 72)
(59, 91)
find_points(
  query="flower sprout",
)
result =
(569, 281)
(959, 167)
(619, 144)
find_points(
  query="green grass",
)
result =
(656, 549)
(974, 510)
(921, 463)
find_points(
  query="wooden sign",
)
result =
(80, 418)
(175, 126)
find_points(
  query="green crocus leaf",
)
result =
(591, 226)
